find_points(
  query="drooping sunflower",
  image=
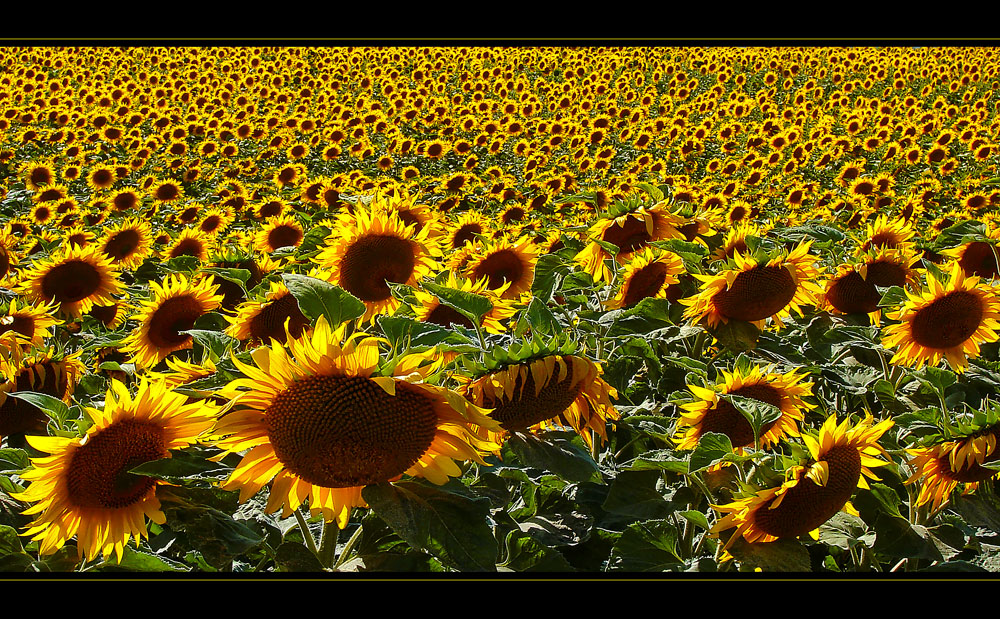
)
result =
(466, 229)
(323, 424)
(275, 317)
(711, 413)
(41, 371)
(173, 307)
(894, 234)
(504, 261)
(754, 289)
(978, 257)
(432, 310)
(942, 465)
(947, 321)
(190, 242)
(841, 457)
(535, 389)
(128, 242)
(647, 275)
(374, 249)
(84, 488)
(77, 278)
(629, 231)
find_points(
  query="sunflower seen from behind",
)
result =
(84, 487)
(319, 422)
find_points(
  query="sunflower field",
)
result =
(415, 309)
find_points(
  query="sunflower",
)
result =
(100, 177)
(323, 424)
(736, 239)
(466, 229)
(945, 464)
(647, 274)
(85, 487)
(30, 323)
(433, 311)
(854, 289)
(629, 232)
(128, 242)
(548, 391)
(375, 248)
(711, 413)
(842, 456)
(978, 258)
(166, 191)
(754, 290)
(76, 279)
(173, 307)
(190, 242)
(125, 200)
(505, 263)
(276, 317)
(277, 232)
(41, 371)
(895, 234)
(38, 175)
(215, 220)
(944, 320)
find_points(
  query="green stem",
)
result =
(306, 534)
(328, 547)
(348, 547)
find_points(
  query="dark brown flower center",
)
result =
(759, 293)
(499, 267)
(174, 315)
(122, 244)
(725, 419)
(371, 261)
(466, 233)
(644, 283)
(980, 260)
(886, 273)
(948, 321)
(851, 294)
(270, 320)
(447, 316)
(98, 475)
(807, 505)
(284, 236)
(71, 281)
(346, 431)
(627, 236)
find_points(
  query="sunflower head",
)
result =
(629, 227)
(84, 487)
(173, 307)
(648, 274)
(42, 371)
(842, 456)
(321, 421)
(754, 289)
(945, 320)
(76, 279)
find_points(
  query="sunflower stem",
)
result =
(348, 547)
(306, 534)
(328, 546)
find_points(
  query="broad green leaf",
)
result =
(137, 561)
(319, 298)
(452, 527)
(470, 305)
(555, 452)
(712, 447)
(634, 494)
(649, 546)
(52, 406)
(524, 554)
(759, 414)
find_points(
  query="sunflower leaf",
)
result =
(758, 414)
(538, 318)
(556, 452)
(649, 546)
(449, 526)
(55, 408)
(468, 304)
(712, 447)
(524, 554)
(319, 298)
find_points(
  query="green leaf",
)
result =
(449, 526)
(216, 342)
(182, 465)
(52, 406)
(555, 452)
(757, 413)
(136, 561)
(319, 298)
(736, 335)
(635, 494)
(470, 305)
(777, 556)
(712, 447)
(538, 318)
(894, 296)
(295, 557)
(525, 554)
(646, 547)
